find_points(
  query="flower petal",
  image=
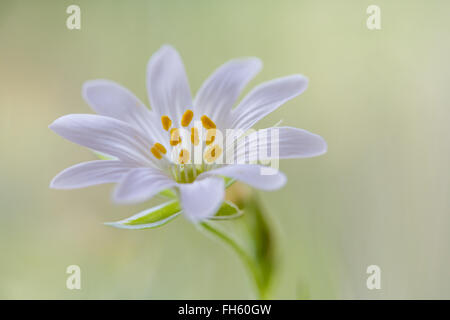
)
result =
(110, 99)
(260, 177)
(265, 98)
(106, 135)
(287, 143)
(202, 198)
(167, 84)
(220, 91)
(142, 184)
(90, 173)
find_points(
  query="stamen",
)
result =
(187, 118)
(210, 136)
(166, 122)
(160, 147)
(155, 151)
(194, 136)
(175, 137)
(184, 156)
(207, 122)
(212, 153)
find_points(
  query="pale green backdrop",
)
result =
(379, 196)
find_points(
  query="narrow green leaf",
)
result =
(150, 218)
(227, 211)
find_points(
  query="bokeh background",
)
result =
(379, 196)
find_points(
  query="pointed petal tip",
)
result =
(300, 143)
(50, 126)
(57, 185)
(166, 46)
(303, 81)
(297, 80)
(90, 84)
(53, 184)
(160, 55)
(283, 180)
(257, 62)
(59, 124)
(98, 82)
(322, 145)
(56, 124)
(164, 49)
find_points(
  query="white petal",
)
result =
(167, 84)
(260, 177)
(142, 184)
(220, 91)
(202, 198)
(110, 99)
(90, 173)
(106, 135)
(290, 142)
(265, 98)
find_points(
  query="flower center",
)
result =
(183, 169)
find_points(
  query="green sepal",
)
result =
(150, 218)
(228, 181)
(168, 193)
(227, 211)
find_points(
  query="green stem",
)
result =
(257, 252)
(240, 252)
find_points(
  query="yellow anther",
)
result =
(194, 136)
(212, 153)
(155, 151)
(187, 118)
(175, 137)
(166, 122)
(207, 122)
(210, 136)
(184, 156)
(160, 147)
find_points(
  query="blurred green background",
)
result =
(379, 196)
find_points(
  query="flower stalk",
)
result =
(252, 240)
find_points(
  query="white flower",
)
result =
(140, 140)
